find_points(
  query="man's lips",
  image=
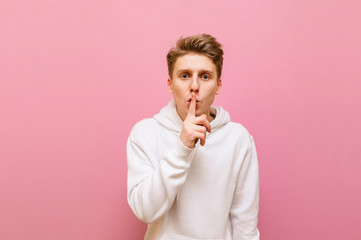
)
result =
(189, 100)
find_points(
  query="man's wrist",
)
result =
(185, 146)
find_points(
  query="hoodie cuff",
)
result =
(184, 146)
(183, 153)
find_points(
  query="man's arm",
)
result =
(153, 185)
(152, 189)
(245, 204)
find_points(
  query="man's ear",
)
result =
(219, 86)
(169, 84)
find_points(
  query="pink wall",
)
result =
(77, 75)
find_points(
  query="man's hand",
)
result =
(194, 128)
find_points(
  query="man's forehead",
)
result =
(194, 62)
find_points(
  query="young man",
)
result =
(192, 173)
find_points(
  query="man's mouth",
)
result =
(189, 100)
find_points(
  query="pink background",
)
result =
(77, 75)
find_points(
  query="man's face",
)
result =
(194, 73)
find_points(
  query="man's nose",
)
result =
(194, 84)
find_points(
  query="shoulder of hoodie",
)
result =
(240, 132)
(143, 130)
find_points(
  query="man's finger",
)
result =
(192, 106)
(207, 125)
(203, 141)
(202, 120)
(201, 136)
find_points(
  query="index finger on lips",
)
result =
(192, 106)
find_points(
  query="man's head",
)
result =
(195, 65)
(204, 44)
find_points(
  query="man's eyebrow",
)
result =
(183, 70)
(209, 71)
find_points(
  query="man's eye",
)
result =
(184, 76)
(205, 77)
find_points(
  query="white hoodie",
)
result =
(208, 192)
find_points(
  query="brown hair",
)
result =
(203, 44)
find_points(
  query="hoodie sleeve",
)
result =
(152, 188)
(245, 204)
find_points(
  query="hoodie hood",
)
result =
(169, 118)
